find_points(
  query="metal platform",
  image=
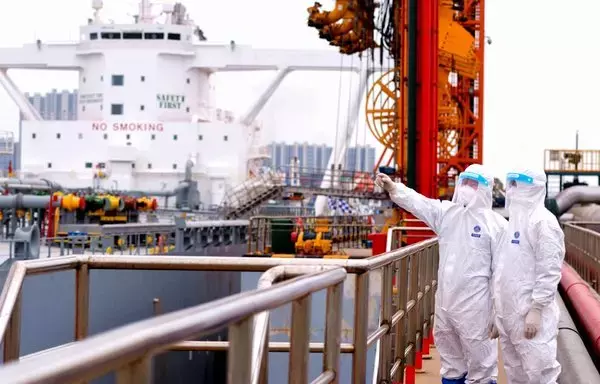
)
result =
(430, 374)
(245, 198)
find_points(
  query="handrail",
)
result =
(261, 320)
(130, 348)
(414, 265)
(583, 251)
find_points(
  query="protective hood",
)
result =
(525, 189)
(474, 188)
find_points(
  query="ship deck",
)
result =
(430, 374)
(372, 309)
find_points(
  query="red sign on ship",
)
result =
(127, 127)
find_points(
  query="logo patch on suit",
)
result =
(515, 239)
(476, 230)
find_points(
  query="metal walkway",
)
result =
(402, 333)
(246, 197)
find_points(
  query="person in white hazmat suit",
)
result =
(468, 231)
(526, 276)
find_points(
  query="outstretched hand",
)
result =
(385, 182)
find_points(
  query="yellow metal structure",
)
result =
(115, 203)
(347, 25)
(71, 202)
(316, 246)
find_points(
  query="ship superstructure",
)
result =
(146, 105)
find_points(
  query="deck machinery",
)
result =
(428, 110)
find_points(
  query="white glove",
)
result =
(533, 320)
(385, 182)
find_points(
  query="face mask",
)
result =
(514, 196)
(465, 195)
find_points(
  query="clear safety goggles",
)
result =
(516, 179)
(472, 180)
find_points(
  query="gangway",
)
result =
(306, 182)
(403, 331)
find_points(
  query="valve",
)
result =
(94, 203)
(113, 203)
(147, 204)
(72, 202)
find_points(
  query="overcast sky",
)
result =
(541, 70)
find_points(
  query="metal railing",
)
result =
(397, 235)
(406, 315)
(583, 251)
(343, 231)
(570, 160)
(129, 349)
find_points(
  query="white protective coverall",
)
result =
(526, 274)
(468, 231)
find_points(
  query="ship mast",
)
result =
(145, 14)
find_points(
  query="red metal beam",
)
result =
(427, 97)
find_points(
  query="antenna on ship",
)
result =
(145, 14)
(97, 5)
(168, 11)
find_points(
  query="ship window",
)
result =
(80, 136)
(116, 109)
(153, 137)
(187, 80)
(174, 166)
(154, 36)
(88, 165)
(174, 36)
(225, 138)
(149, 165)
(118, 80)
(101, 165)
(132, 165)
(94, 36)
(200, 137)
(142, 78)
(58, 135)
(128, 136)
(105, 136)
(83, 79)
(132, 35)
(33, 135)
(187, 109)
(49, 165)
(174, 137)
(83, 108)
(142, 107)
(111, 35)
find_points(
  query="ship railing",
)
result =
(343, 231)
(580, 161)
(139, 239)
(406, 315)
(582, 242)
(253, 189)
(129, 350)
(336, 180)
